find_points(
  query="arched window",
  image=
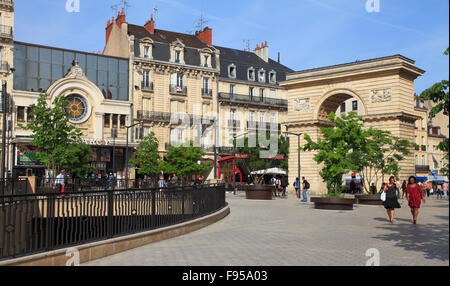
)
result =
(232, 71)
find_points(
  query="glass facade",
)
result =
(39, 67)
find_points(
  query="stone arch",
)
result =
(331, 101)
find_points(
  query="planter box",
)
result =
(373, 200)
(258, 192)
(333, 203)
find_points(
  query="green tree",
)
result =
(381, 153)
(184, 161)
(438, 94)
(58, 141)
(147, 158)
(255, 161)
(339, 151)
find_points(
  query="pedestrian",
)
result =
(404, 187)
(445, 190)
(391, 202)
(60, 181)
(428, 189)
(111, 180)
(439, 192)
(273, 182)
(174, 180)
(297, 187)
(373, 189)
(414, 195)
(306, 187)
(161, 183)
(284, 184)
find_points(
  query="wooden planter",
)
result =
(373, 200)
(258, 192)
(340, 204)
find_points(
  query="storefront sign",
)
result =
(96, 142)
(26, 156)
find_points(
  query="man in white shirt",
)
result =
(60, 178)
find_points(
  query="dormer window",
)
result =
(177, 52)
(177, 56)
(273, 77)
(146, 52)
(262, 75)
(251, 74)
(206, 60)
(232, 71)
(146, 45)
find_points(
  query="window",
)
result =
(417, 160)
(416, 125)
(423, 160)
(251, 91)
(232, 89)
(232, 71)
(177, 56)
(272, 77)
(146, 78)
(355, 105)
(262, 75)
(272, 94)
(233, 114)
(180, 80)
(146, 52)
(251, 116)
(123, 121)
(262, 117)
(251, 74)
(262, 92)
(416, 140)
(107, 123)
(423, 141)
(20, 113)
(30, 117)
(115, 120)
(206, 59)
(206, 84)
(273, 117)
(343, 107)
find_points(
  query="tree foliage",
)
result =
(256, 162)
(183, 161)
(147, 158)
(439, 95)
(58, 141)
(340, 149)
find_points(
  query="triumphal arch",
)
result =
(383, 88)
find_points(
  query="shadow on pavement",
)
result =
(430, 239)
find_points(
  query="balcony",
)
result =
(4, 67)
(422, 169)
(234, 123)
(207, 92)
(6, 32)
(424, 148)
(417, 148)
(154, 116)
(177, 90)
(261, 125)
(147, 86)
(253, 100)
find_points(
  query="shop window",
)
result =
(107, 123)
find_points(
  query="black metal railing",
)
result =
(37, 223)
(424, 148)
(262, 125)
(10, 187)
(153, 116)
(423, 168)
(179, 90)
(240, 98)
(6, 31)
(206, 92)
(147, 86)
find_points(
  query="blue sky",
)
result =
(307, 33)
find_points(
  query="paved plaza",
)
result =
(287, 232)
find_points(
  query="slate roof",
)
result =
(244, 60)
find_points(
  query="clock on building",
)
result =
(76, 107)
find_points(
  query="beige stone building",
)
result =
(421, 141)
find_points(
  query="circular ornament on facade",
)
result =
(77, 108)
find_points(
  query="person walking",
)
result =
(391, 202)
(174, 181)
(161, 183)
(373, 189)
(284, 184)
(305, 186)
(60, 181)
(404, 187)
(428, 189)
(414, 195)
(439, 192)
(297, 187)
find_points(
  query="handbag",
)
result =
(383, 196)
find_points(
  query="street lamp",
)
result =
(298, 137)
(126, 153)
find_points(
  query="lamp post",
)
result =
(126, 154)
(114, 136)
(298, 137)
(234, 160)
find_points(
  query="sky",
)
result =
(307, 33)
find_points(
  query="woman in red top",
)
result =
(414, 194)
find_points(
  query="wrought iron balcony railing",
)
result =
(6, 31)
(267, 125)
(257, 100)
(206, 92)
(423, 168)
(424, 148)
(147, 86)
(178, 90)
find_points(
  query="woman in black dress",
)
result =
(391, 202)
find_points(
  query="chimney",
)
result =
(109, 27)
(279, 55)
(120, 18)
(205, 36)
(263, 51)
(150, 25)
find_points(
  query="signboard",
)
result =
(433, 173)
(26, 156)
(96, 142)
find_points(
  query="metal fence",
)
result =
(36, 223)
(9, 187)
